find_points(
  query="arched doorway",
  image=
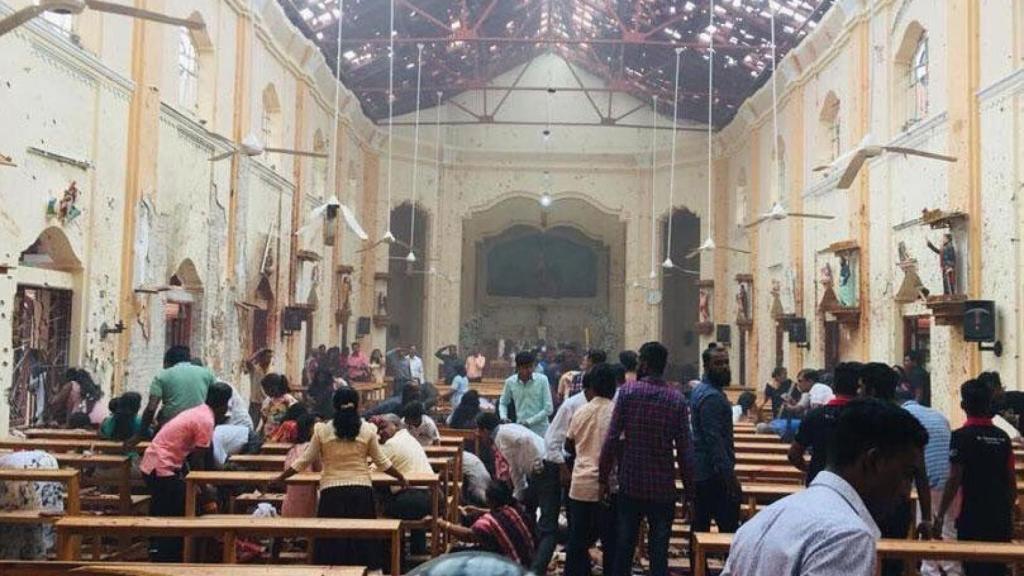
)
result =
(407, 285)
(680, 295)
(43, 322)
(182, 308)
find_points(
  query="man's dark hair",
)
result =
(499, 494)
(629, 360)
(880, 380)
(976, 398)
(620, 374)
(411, 393)
(705, 356)
(412, 411)
(218, 394)
(275, 384)
(487, 421)
(176, 355)
(602, 380)
(746, 401)
(654, 356)
(847, 378)
(79, 420)
(904, 394)
(597, 356)
(917, 357)
(808, 374)
(992, 379)
(867, 424)
(778, 371)
(524, 358)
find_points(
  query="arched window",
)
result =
(320, 184)
(779, 189)
(188, 71)
(912, 75)
(270, 120)
(830, 129)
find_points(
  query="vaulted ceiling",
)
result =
(630, 44)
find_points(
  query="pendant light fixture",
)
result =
(388, 236)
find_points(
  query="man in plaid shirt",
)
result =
(651, 418)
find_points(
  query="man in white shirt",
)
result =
(408, 457)
(420, 426)
(238, 409)
(475, 479)
(415, 365)
(535, 483)
(830, 528)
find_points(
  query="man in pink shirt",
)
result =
(185, 439)
(358, 365)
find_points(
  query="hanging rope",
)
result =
(711, 104)
(332, 169)
(437, 148)
(654, 189)
(672, 173)
(775, 111)
(391, 112)
(415, 154)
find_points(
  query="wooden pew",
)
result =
(756, 438)
(262, 479)
(60, 433)
(70, 478)
(82, 568)
(705, 543)
(760, 458)
(469, 437)
(761, 447)
(229, 528)
(770, 472)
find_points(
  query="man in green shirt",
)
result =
(179, 386)
(531, 394)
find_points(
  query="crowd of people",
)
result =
(599, 444)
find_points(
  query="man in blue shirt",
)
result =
(531, 394)
(718, 490)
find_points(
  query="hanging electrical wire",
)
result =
(654, 187)
(388, 236)
(672, 173)
(411, 257)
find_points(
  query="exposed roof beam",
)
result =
(548, 40)
(702, 130)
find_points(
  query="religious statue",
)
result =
(947, 263)
(826, 275)
(743, 304)
(346, 294)
(66, 209)
(382, 304)
(847, 287)
(704, 306)
(912, 288)
(777, 310)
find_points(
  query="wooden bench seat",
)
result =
(70, 478)
(715, 543)
(229, 528)
(23, 568)
(114, 500)
(28, 517)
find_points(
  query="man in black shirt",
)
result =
(777, 390)
(982, 469)
(817, 429)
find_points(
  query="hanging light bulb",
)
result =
(668, 264)
(545, 198)
(410, 257)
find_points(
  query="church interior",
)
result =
(411, 200)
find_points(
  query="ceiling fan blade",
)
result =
(758, 221)
(353, 223)
(19, 18)
(133, 12)
(852, 169)
(814, 216)
(223, 156)
(371, 246)
(922, 153)
(7, 161)
(295, 152)
(737, 250)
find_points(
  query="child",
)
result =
(981, 468)
(276, 403)
(124, 421)
(288, 431)
(300, 501)
(743, 410)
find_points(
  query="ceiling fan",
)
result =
(251, 146)
(77, 6)
(851, 162)
(331, 209)
(709, 245)
(777, 212)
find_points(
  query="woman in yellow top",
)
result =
(346, 487)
